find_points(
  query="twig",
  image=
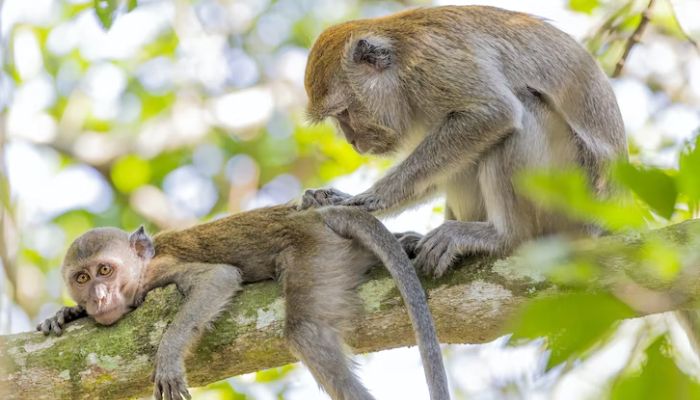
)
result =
(685, 34)
(610, 23)
(634, 39)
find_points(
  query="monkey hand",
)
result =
(63, 316)
(409, 241)
(169, 381)
(368, 201)
(313, 198)
(439, 249)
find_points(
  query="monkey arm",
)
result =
(208, 288)
(63, 316)
(461, 139)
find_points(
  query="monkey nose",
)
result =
(100, 294)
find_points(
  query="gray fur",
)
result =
(497, 92)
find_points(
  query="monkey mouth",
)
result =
(109, 315)
(358, 148)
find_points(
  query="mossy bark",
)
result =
(470, 305)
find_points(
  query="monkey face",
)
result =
(102, 270)
(105, 287)
(364, 135)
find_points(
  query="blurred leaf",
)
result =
(164, 45)
(337, 157)
(224, 390)
(131, 5)
(75, 223)
(661, 258)
(568, 191)
(106, 12)
(572, 323)
(652, 185)
(584, 6)
(273, 374)
(165, 162)
(574, 273)
(660, 378)
(688, 178)
(130, 172)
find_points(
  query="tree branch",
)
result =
(470, 305)
(634, 39)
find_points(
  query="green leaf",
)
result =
(584, 6)
(571, 323)
(660, 378)
(106, 12)
(568, 191)
(273, 374)
(652, 185)
(688, 178)
(224, 391)
(131, 5)
(130, 172)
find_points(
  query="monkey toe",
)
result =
(170, 388)
(447, 258)
(435, 254)
(409, 242)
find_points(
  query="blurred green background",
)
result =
(169, 112)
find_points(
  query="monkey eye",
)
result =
(104, 269)
(344, 115)
(82, 277)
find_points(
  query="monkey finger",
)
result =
(182, 388)
(61, 317)
(56, 327)
(46, 327)
(165, 387)
(157, 392)
(173, 394)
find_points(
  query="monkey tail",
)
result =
(372, 234)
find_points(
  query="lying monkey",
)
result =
(320, 255)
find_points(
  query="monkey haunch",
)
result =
(320, 256)
(474, 94)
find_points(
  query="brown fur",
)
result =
(320, 256)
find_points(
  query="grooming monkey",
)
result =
(473, 95)
(320, 255)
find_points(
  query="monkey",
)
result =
(470, 96)
(320, 256)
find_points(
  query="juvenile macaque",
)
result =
(473, 95)
(320, 256)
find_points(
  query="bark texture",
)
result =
(470, 305)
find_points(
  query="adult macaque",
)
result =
(473, 95)
(320, 256)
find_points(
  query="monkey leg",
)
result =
(208, 288)
(321, 301)
(320, 348)
(442, 246)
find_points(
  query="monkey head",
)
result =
(352, 76)
(103, 268)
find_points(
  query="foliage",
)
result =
(199, 113)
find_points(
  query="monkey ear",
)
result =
(375, 52)
(142, 243)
